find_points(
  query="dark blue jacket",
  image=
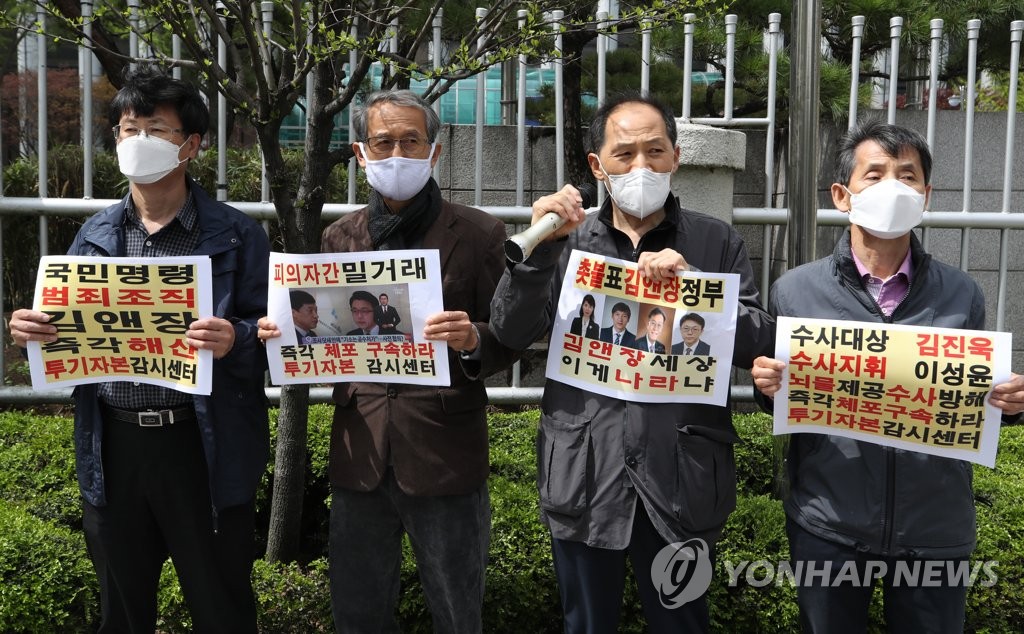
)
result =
(233, 419)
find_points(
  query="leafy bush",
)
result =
(756, 531)
(755, 465)
(46, 581)
(38, 467)
(999, 495)
(293, 598)
(46, 565)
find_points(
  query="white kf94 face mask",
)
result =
(398, 177)
(638, 192)
(145, 159)
(888, 209)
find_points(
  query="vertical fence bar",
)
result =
(933, 79)
(895, 29)
(802, 167)
(222, 113)
(857, 35)
(267, 11)
(87, 132)
(556, 24)
(645, 58)
(133, 32)
(973, 29)
(176, 54)
(688, 28)
(602, 70)
(774, 26)
(521, 14)
(1016, 34)
(481, 98)
(437, 63)
(933, 100)
(730, 63)
(393, 43)
(42, 142)
(802, 171)
(774, 32)
(353, 164)
(602, 57)
(521, 117)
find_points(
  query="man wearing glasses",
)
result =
(691, 327)
(363, 306)
(163, 472)
(406, 458)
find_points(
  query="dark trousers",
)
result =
(591, 583)
(843, 608)
(158, 504)
(449, 534)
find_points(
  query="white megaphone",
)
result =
(520, 246)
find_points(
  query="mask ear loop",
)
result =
(184, 143)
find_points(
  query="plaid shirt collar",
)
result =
(188, 215)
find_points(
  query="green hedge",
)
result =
(37, 467)
(47, 584)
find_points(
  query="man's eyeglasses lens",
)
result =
(123, 131)
(385, 145)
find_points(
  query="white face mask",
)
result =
(638, 192)
(888, 209)
(398, 177)
(146, 159)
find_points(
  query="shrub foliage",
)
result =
(47, 582)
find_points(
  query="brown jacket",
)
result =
(434, 437)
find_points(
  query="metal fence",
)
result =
(968, 217)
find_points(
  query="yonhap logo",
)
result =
(681, 572)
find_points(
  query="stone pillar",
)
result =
(709, 158)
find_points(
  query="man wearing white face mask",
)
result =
(853, 503)
(408, 459)
(162, 472)
(621, 479)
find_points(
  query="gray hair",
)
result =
(401, 98)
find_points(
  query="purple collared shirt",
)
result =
(889, 292)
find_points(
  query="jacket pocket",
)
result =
(705, 481)
(563, 450)
(459, 400)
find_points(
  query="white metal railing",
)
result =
(516, 394)
(964, 220)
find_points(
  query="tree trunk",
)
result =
(300, 226)
(284, 535)
(577, 169)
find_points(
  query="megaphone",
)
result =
(520, 246)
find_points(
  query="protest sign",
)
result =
(122, 319)
(916, 388)
(623, 335)
(370, 311)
